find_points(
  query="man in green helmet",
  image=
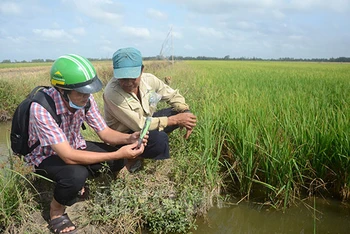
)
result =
(63, 155)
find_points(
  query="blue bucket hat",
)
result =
(127, 63)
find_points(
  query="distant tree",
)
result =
(37, 60)
(227, 57)
(6, 61)
(342, 59)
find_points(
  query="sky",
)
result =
(47, 29)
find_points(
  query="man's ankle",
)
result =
(56, 209)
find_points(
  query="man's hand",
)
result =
(135, 136)
(131, 151)
(184, 120)
(188, 133)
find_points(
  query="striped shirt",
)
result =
(44, 128)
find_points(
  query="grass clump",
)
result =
(150, 199)
(16, 195)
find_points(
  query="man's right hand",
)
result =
(186, 120)
(131, 151)
(188, 133)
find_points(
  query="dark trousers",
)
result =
(70, 179)
(158, 142)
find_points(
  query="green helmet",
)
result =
(73, 72)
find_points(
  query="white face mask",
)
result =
(71, 104)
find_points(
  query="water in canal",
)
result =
(330, 217)
(4, 139)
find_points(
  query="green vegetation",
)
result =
(281, 129)
(15, 195)
(268, 132)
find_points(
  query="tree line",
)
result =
(227, 57)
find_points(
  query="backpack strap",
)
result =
(47, 102)
(87, 107)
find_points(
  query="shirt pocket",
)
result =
(134, 105)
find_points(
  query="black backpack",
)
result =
(20, 121)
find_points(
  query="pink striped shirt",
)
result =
(44, 128)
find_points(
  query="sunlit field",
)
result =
(267, 132)
(279, 130)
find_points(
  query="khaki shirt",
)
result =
(124, 111)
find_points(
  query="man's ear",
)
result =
(61, 91)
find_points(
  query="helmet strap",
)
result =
(65, 95)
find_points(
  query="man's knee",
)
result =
(158, 137)
(70, 181)
(80, 174)
(74, 176)
(157, 146)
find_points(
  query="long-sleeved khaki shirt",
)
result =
(124, 111)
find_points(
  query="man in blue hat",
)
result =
(132, 95)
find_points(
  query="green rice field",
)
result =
(272, 133)
(276, 130)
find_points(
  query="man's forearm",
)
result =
(113, 137)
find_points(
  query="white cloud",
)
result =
(226, 6)
(10, 8)
(50, 33)
(105, 10)
(105, 41)
(177, 35)
(245, 25)
(78, 31)
(210, 32)
(16, 40)
(334, 5)
(297, 37)
(260, 28)
(56, 25)
(79, 20)
(188, 47)
(278, 14)
(54, 34)
(157, 15)
(136, 32)
(107, 49)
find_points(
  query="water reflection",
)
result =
(5, 128)
(331, 217)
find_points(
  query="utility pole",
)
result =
(169, 40)
(172, 46)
